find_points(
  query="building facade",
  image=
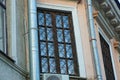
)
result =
(59, 40)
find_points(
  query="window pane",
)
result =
(44, 65)
(41, 19)
(59, 35)
(65, 22)
(71, 67)
(3, 1)
(61, 50)
(67, 36)
(63, 66)
(49, 34)
(42, 33)
(58, 21)
(52, 65)
(51, 49)
(69, 51)
(48, 20)
(2, 14)
(43, 49)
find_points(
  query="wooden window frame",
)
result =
(56, 44)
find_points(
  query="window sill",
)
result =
(3, 55)
(10, 62)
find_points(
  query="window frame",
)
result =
(72, 43)
(79, 49)
(102, 33)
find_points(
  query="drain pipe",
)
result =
(94, 41)
(33, 41)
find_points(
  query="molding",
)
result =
(111, 14)
(105, 25)
(78, 41)
(114, 8)
(13, 30)
(11, 63)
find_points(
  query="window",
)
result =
(118, 3)
(56, 42)
(107, 59)
(3, 26)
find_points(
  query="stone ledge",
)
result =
(10, 62)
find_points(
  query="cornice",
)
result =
(111, 13)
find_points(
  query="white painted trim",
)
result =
(13, 30)
(104, 23)
(76, 30)
(111, 52)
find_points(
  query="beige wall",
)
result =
(116, 55)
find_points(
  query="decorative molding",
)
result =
(115, 43)
(95, 14)
(111, 15)
(105, 25)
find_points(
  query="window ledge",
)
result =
(10, 62)
(3, 55)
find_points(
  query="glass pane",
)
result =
(67, 36)
(48, 20)
(1, 44)
(49, 34)
(69, 51)
(52, 65)
(58, 21)
(63, 66)
(41, 18)
(51, 49)
(60, 35)
(43, 49)
(42, 33)
(71, 67)
(65, 22)
(3, 1)
(61, 50)
(1, 28)
(44, 65)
